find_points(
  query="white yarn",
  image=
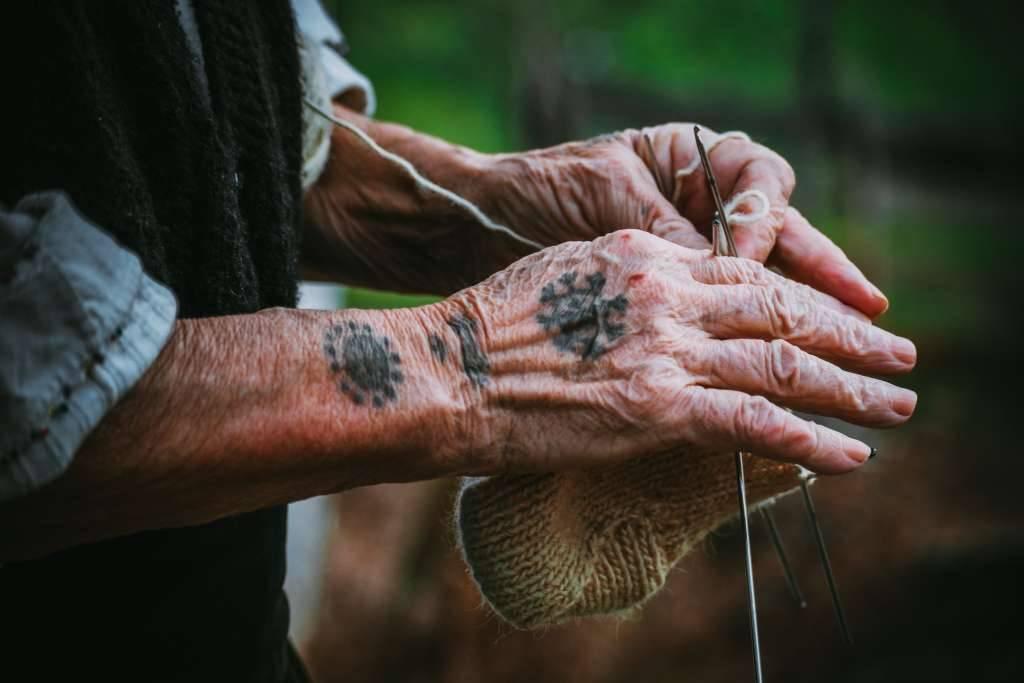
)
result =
(736, 200)
(713, 141)
(422, 182)
(426, 184)
(731, 206)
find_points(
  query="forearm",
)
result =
(244, 412)
(371, 225)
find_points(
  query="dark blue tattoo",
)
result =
(583, 323)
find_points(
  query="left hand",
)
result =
(581, 190)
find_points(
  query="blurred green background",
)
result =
(901, 120)
(898, 116)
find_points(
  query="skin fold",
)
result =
(609, 345)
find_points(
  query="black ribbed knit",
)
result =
(101, 100)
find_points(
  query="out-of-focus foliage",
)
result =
(462, 70)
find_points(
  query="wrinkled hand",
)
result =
(582, 190)
(591, 352)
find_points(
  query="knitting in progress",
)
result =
(544, 548)
(550, 547)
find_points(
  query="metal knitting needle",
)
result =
(819, 539)
(723, 245)
(748, 565)
(730, 250)
(659, 179)
(765, 511)
(780, 551)
(722, 232)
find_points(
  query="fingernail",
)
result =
(857, 451)
(904, 401)
(905, 351)
(881, 297)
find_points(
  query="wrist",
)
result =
(452, 334)
(376, 402)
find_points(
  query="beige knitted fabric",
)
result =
(544, 548)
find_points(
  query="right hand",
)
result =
(596, 352)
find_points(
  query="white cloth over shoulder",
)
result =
(326, 75)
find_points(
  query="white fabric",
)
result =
(325, 75)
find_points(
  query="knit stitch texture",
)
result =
(544, 548)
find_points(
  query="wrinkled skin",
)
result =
(372, 226)
(582, 190)
(710, 346)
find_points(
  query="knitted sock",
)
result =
(544, 548)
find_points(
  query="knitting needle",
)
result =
(819, 538)
(780, 551)
(659, 179)
(741, 489)
(723, 245)
(730, 250)
(729, 247)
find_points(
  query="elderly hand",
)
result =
(591, 352)
(582, 190)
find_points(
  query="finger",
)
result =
(722, 270)
(763, 175)
(807, 255)
(664, 221)
(758, 312)
(744, 168)
(732, 420)
(782, 372)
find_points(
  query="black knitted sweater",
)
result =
(102, 100)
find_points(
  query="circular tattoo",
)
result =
(370, 371)
(582, 321)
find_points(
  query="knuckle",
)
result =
(648, 390)
(786, 173)
(621, 165)
(616, 246)
(855, 396)
(738, 270)
(727, 270)
(652, 289)
(805, 445)
(630, 241)
(785, 365)
(781, 168)
(757, 421)
(850, 336)
(783, 315)
(751, 271)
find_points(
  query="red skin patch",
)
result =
(636, 279)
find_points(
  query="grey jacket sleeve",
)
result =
(79, 323)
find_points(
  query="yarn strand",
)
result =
(731, 207)
(422, 182)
